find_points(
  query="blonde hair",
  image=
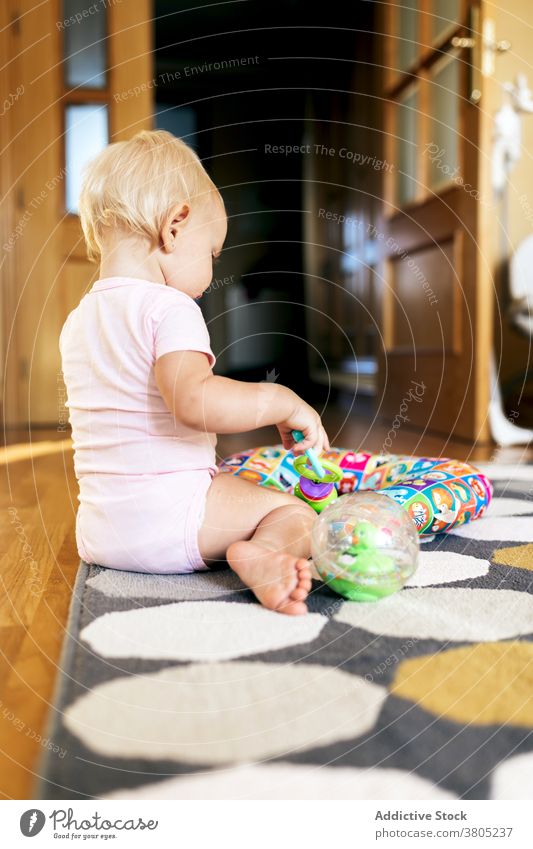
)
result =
(134, 184)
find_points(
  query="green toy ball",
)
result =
(365, 546)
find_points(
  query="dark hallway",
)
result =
(256, 95)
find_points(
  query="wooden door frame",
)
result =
(474, 123)
(33, 362)
(9, 402)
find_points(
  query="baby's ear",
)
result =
(177, 216)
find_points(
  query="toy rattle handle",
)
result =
(311, 454)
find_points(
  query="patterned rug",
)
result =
(183, 687)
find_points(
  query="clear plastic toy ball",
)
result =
(365, 546)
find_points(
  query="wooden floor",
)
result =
(40, 561)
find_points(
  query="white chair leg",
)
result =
(504, 432)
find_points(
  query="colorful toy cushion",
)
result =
(439, 493)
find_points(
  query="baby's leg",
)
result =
(265, 537)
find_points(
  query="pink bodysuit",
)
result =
(143, 477)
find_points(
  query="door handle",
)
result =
(491, 47)
(458, 41)
(489, 43)
(484, 50)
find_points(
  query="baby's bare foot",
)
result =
(280, 581)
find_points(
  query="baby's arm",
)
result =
(211, 403)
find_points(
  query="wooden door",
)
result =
(83, 73)
(10, 92)
(438, 301)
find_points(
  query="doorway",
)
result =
(257, 96)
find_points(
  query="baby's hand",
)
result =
(307, 420)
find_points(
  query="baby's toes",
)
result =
(299, 593)
(293, 607)
(304, 574)
(304, 568)
(305, 585)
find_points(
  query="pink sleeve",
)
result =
(180, 326)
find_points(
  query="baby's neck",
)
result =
(130, 258)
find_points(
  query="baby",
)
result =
(144, 404)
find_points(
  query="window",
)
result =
(86, 133)
(85, 90)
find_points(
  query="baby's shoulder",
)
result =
(162, 298)
(66, 324)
